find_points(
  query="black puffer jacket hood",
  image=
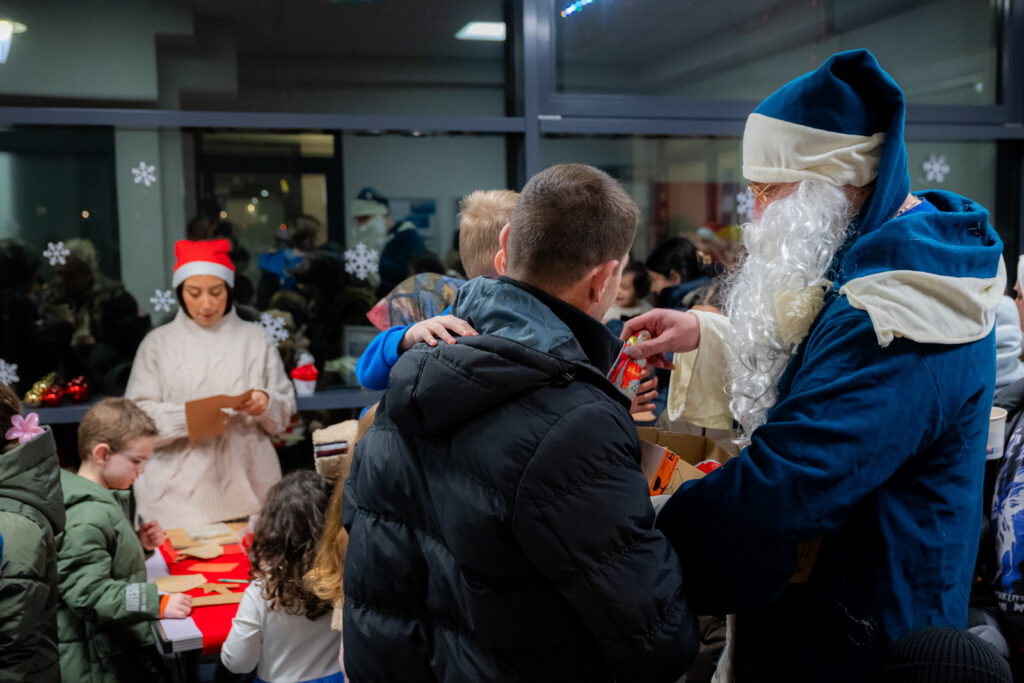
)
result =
(526, 347)
(500, 528)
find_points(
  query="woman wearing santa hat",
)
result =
(207, 350)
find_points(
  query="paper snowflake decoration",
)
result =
(56, 253)
(935, 168)
(273, 325)
(144, 174)
(361, 261)
(162, 300)
(8, 373)
(745, 203)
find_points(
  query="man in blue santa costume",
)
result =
(860, 365)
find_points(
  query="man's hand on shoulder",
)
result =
(433, 329)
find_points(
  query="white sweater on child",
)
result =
(283, 648)
(223, 477)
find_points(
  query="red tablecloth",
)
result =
(214, 621)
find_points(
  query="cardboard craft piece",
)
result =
(206, 418)
(669, 459)
(182, 540)
(206, 532)
(207, 600)
(220, 588)
(207, 551)
(179, 583)
(213, 567)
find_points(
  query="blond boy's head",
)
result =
(484, 213)
(115, 439)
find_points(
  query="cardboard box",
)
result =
(690, 450)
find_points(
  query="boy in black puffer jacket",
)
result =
(500, 528)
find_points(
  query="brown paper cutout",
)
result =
(207, 551)
(179, 583)
(206, 417)
(216, 588)
(207, 600)
(213, 567)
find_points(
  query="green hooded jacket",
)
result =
(106, 605)
(31, 514)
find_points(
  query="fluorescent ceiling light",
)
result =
(7, 30)
(482, 30)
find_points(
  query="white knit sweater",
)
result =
(223, 477)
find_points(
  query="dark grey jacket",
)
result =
(500, 524)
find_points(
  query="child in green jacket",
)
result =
(106, 603)
(31, 515)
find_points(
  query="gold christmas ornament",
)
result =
(34, 396)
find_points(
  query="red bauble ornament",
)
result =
(78, 390)
(53, 396)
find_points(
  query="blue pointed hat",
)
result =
(842, 124)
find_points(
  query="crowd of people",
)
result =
(493, 521)
(73, 320)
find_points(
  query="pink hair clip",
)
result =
(24, 428)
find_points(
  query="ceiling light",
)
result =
(7, 30)
(575, 7)
(482, 30)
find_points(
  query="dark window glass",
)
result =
(940, 51)
(257, 55)
(112, 202)
(694, 186)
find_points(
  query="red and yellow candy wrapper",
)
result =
(627, 372)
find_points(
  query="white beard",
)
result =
(774, 296)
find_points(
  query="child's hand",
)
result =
(432, 329)
(255, 404)
(151, 535)
(179, 606)
(644, 395)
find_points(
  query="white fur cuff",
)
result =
(776, 151)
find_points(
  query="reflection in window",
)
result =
(693, 187)
(744, 49)
(286, 202)
(258, 55)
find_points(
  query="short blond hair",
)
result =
(484, 213)
(115, 422)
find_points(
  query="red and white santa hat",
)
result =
(208, 257)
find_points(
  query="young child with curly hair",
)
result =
(282, 629)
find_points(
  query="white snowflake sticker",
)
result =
(361, 261)
(273, 325)
(745, 203)
(8, 372)
(162, 300)
(144, 174)
(56, 253)
(935, 168)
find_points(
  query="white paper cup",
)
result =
(996, 429)
(307, 387)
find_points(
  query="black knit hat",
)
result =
(943, 655)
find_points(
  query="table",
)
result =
(329, 399)
(208, 627)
